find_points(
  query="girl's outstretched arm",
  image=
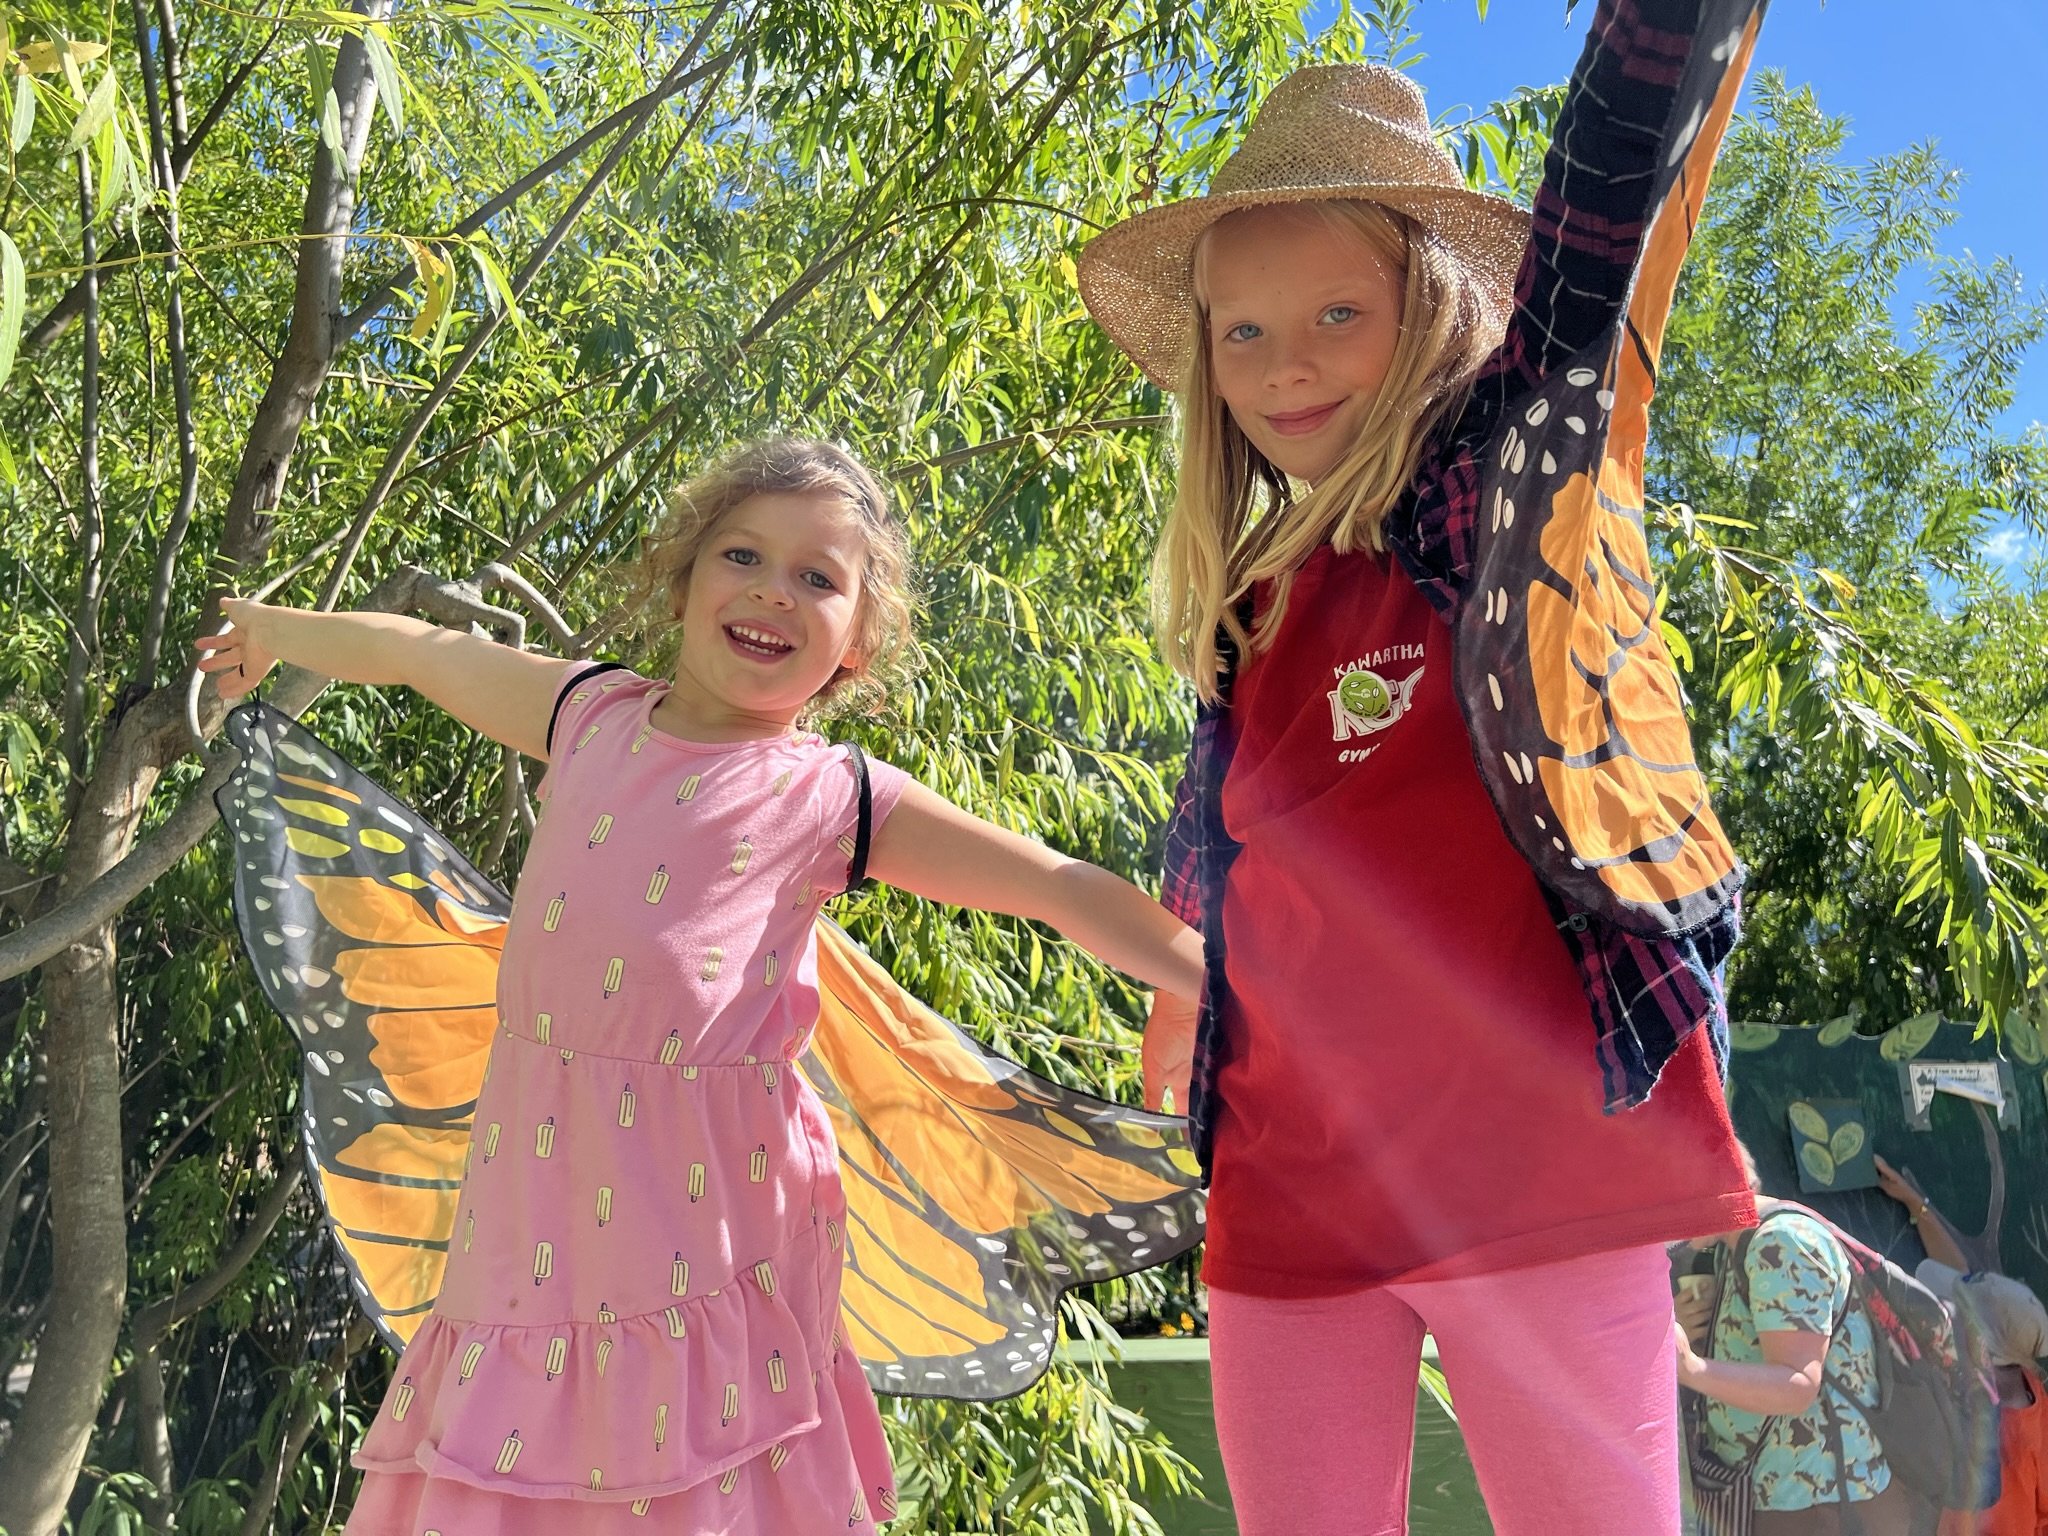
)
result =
(505, 693)
(931, 847)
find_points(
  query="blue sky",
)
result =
(1966, 74)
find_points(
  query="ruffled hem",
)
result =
(617, 1410)
(834, 1477)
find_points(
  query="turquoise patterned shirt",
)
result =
(1799, 1279)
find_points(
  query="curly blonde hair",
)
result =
(884, 633)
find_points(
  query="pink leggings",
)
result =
(1563, 1376)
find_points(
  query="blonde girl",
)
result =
(679, 1367)
(1464, 902)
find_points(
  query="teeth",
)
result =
(756, 637)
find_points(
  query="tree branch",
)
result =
(387, 286)
(263, 1504)
(101, 902)
(415, 428)
(314, 333)
(160, 137)
(157, 1319)
(977, 210)
(498, 577)
(57, 319)
(85, 910)
(85, 624)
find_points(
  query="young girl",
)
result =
(573, 1376)
(1464, 901)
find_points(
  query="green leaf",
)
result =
(384, 70)
(1835, 1031)
(496, 284)
(24, 111)
(13, 299)
(319, 72)
(99, 111)
(1905, 1040)
(2023, 1038)
(1807, 1120)
(330, 124)
(1818, 1162)
(1752, 1037)
(1846, 1142)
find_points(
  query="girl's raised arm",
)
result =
(505, 693)
(932, 848)
(1647, 103)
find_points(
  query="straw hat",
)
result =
(2015, 1322)
(1356, 131)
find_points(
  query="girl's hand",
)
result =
(1169, 1053)
(237, 654)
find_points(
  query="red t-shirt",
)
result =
(1409, 1089)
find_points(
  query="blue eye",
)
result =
(1244, 332)
(1337, 314)
(740, 555)
(820, 580)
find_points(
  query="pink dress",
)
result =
(638, 1330)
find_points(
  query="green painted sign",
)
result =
(1969, 1127)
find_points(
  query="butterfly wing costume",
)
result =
(976, 1191)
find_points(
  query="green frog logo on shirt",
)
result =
(1366, 701)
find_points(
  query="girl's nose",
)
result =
(773, 590)
(1290, 365)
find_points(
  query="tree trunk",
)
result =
(88, 1203)
(89, 1248)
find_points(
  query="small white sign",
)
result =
(1977, 1081)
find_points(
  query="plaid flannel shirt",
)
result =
(1647, 993)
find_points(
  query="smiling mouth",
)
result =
(1301, 423)
(761, 643)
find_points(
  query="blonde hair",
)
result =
(884, 636)
(1238, 520)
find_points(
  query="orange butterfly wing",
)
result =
(976, 1192)
(1574, 703)
(378, 943)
